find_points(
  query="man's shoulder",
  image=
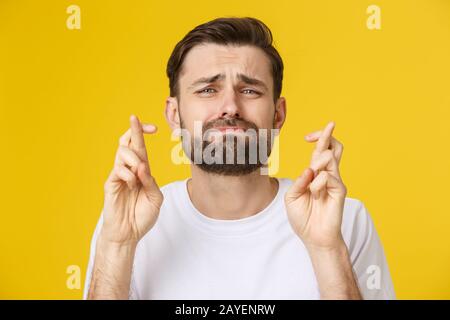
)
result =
(357, 224)
(354, 209)
(174, 186)
(353, 205)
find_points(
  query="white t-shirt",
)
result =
(187, 255)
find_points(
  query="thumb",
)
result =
(300, 185)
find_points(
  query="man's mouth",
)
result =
(230, 129)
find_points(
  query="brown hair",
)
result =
(227, 31)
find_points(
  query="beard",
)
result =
(229, 154)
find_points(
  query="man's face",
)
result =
(227, 88)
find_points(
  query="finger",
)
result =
(137, 143)
(149, 184)
(335, 145)
(128, 157)
(300, 185)
(337, 149)
(318, 184)
(324, 140)
(325, 161)
(137, 134)
(123, 174)
(314, 136)
(324, 182)
(125, 139)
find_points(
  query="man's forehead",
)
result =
(209, 59)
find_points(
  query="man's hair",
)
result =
(227, 31)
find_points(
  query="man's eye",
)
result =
(250, 91)
(207, 90)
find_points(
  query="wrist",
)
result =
(115, 250)
(338, 249)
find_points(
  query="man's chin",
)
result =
(229, 169)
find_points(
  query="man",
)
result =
(229, 231)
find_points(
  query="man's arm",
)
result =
(111, 274)
(334, 273)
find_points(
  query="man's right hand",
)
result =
(131, 207)
(132, 196)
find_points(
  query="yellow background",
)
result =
(66, 96)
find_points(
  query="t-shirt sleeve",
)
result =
(366, 253)
(132, 294)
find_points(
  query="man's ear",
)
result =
(172, 114)
(280, 113)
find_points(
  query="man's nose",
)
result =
(230, 106)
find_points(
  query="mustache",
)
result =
(230, 122)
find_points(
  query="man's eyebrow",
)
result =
(252, 81)
(220, 76)
(205, 80)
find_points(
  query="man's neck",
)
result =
(230, 197)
